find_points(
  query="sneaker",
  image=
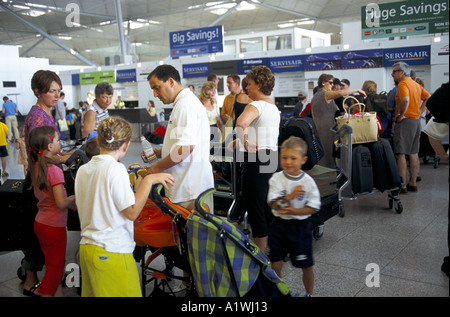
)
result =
(5, 174)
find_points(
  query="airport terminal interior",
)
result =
(407, 248)
(374, 248)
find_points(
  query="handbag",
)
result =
(363, 124)
(62, 125)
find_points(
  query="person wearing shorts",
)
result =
(407, 124)
(293, 196)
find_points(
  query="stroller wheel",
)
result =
(399, 208)
(20, 275)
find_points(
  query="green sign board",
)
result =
(412, 17)
(95, 78)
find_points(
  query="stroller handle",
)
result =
(155, 193)
(201, 198)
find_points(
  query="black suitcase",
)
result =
(329, 208)
(425, 148)
(385, 169)
(304, 128)
(362, 174)
(19, 208)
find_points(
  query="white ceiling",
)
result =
(42, 27)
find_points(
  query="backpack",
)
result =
(438, 104)
(69, 119)
(379, 103)
(304, 128)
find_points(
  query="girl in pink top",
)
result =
(51, 220)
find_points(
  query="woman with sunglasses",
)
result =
(323, 110)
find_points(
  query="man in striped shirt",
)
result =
(98, 110)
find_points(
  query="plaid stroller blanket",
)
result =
(224, 262)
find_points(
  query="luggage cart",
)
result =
(345, 174)
(225, 181)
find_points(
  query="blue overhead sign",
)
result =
(416, 55)
(196, 70)
(197, 41)
(125, 75)
(75, 79)
(362, 59)
(286, 64)
(323, 61)
(246, 65)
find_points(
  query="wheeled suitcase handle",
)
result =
(341, 129)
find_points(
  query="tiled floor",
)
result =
(407, 248)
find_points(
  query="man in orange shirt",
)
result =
(407, 126)
(233, 84)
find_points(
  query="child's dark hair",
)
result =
(38, 140)
(295, 143)
(112, 132)
(91, 148)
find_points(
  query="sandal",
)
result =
(32, 290)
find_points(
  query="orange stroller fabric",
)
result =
(154, 228)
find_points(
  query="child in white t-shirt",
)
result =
(293, 196)
(107, 208)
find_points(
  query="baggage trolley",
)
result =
(226, 195)
(345, 191)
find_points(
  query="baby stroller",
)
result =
(160, 229)
(224, 262)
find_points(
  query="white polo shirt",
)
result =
(188, 125)
(282, 184)
(103, 190)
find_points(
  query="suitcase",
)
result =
(306, 129)
(19, 208)
(384, 164)
(425, 148)
(362, 173)
(325, 178)
(328, 209)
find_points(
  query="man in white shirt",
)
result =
(185, 151)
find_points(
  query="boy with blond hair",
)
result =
(293, 196)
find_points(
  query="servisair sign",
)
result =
(413, 17)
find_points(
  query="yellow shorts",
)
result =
(106, 274)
